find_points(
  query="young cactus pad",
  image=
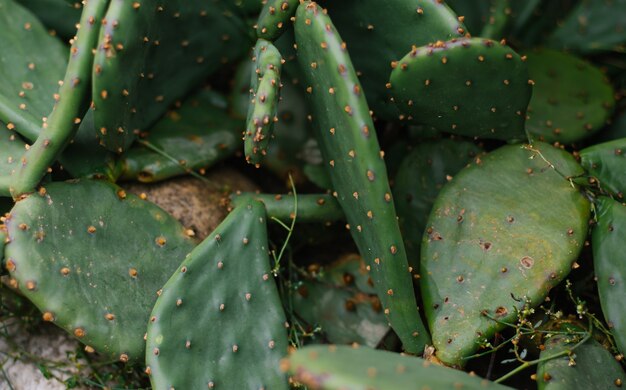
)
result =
(31, 66)
(356, 167)
(474, 87)
(332, 367)
(571, 99)
(593, 366)
(274, 18)
(265, 93)
(506, 229)
(608, 238)
(92, 259)
(150, 54)
(219, 321)
(11, 151)
(606, 163)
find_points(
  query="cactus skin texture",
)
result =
(274, 16)
(594, 368)
(265, 93)
(58, 15)
(470, 86)
(342, 301)
(485, 19)
(151, 53)
(379, 33)
(226, 288)
(333, 367)
(494, 233)
(94, 268)
(197, 135)
(312, 208)
(32, 64)
(571, 99)
(62, 123)
(11, 151)
(422, 174)
(349, 146)
(608, 238)
(592, 27)
(606, 162)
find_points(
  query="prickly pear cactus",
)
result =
(355, 164)
(421, 175)
(265, 93)
(275, 17)
(378, 34)
(605, 163)
(197, 135)
(505, 230)
(470, 86)
(153, 52)
(94, 268)
(343, 303)
(608, 237)
(592, 27)
(226, 288)
(59, 15)
(589, 366)
(29, 76)
(571, 99)
(311, 208)
(335, 367)
(11, 151)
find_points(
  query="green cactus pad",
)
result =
(589, 366)
(58, 15)
(343, 303)
(422, 174)
(357, 170)
(92, 259)
(608, 238)
(153, 52)
(485, 19)
(265, 93)
(62, 123)
(571, 99)
(312, 208)
(505, 229)
(220, 316)
(474, 87)
(593, 26)
(197, 135)
(12, 149)
(31, 65)
(275, 16)
(606, 163)
(334, 367)
(379, 33)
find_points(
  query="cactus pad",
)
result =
(474, 87)
(590, 366)
(356, 167)
(12, 148)
(571, 99)
(421, 175)
(31, 66)
(608, 239)
(343, 303)
(276, 14)
(348, 368)
(151, 53)
(379, 33)
(606, 163)
(226, 289)
(94, 267)
(505, 229)
(197, 135)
